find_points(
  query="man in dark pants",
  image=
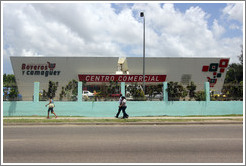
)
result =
(122, 107)
(120, 100)
(51, 106)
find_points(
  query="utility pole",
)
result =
(142, 15)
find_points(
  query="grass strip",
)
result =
(9, 121)
(200, 115)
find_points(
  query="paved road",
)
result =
(123, 144)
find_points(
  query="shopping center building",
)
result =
(98, 70)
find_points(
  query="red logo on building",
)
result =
(217, 69)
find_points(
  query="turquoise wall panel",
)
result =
(134, 108)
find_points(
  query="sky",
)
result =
(116, 29)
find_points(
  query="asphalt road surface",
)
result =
(123, 144)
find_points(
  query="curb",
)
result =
(125, 123)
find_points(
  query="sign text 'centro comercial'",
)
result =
(121, 78)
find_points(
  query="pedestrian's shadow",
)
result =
(12, 108)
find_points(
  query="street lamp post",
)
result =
(142, 15)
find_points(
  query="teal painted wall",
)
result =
(134, 108)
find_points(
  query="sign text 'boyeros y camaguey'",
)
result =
(45, 69)
(121, 78)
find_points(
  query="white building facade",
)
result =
(28, 70)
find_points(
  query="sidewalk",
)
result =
(137, 117)
(130, 121)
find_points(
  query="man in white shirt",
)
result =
(123, 107)
(120, 100)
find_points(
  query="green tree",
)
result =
(235, 70)
(113, 87)
(191, 88)
(62, 94)
(200, 96)
(240, 57)
(234, 73)
(175, 91)
(233, 90)
(136, 92)
(152, 90)
(13, 94)
(233, 85)
(9, 81)
(51, 90)
(70, 91)
(139, 95)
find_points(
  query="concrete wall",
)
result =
(134, 108)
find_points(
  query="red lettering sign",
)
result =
(121, 78)
(39, 69)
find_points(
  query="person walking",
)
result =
(119, 109)
(51, 108)
(123, 107)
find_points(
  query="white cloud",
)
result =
(234, 11)
(218, 30)
(234, 26)
(97, 30)
(177, 34)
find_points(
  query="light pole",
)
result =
(142, 15)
